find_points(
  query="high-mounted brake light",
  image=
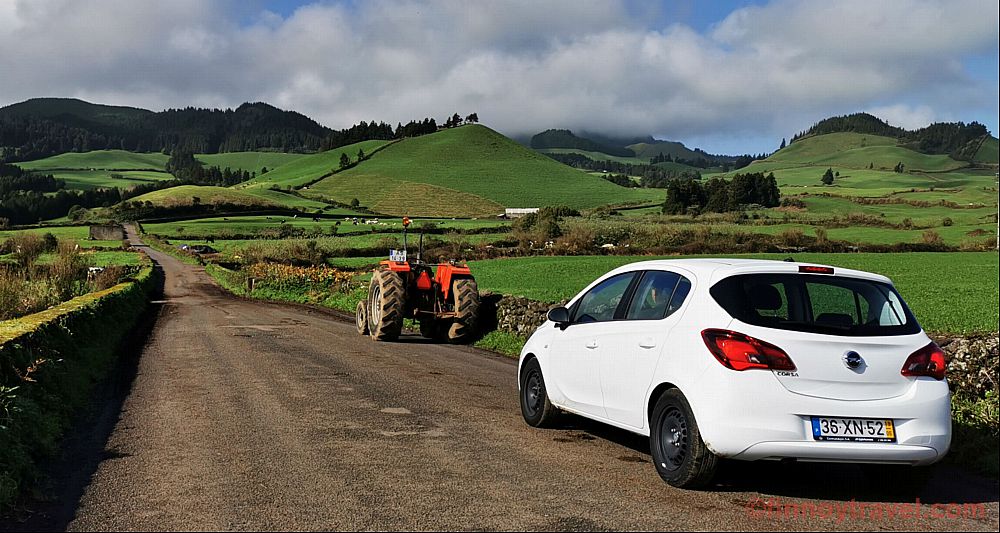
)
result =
(743, 352)
(927, 361)
(806, 269)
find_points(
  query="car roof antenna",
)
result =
(789, 259)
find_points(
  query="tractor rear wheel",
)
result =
(386, 303)
(465, 296)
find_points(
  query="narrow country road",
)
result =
(247, 416)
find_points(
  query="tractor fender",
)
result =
(446, 273)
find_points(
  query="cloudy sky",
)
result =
(733, 77)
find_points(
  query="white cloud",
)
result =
(906, 116)
(523, 66)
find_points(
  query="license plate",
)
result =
(853, 429)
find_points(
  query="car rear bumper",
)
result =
(834, 452)
(741, 421)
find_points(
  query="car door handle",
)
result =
(648, 342)
(592, 345)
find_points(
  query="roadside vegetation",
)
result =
(40, 271)
(50, 362)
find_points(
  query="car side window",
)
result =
(601, 302)
(680, 294)
(653, 296)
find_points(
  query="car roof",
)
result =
(716, 268)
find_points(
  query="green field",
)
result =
(948, 292)
(309, 168)
(249, 161)
(80, 234)
(468, 171)
(221, 227)
(288, 200)
(94, 179)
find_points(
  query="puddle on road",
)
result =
(397, 411)
(575, 437)
(434, 433)
(269, 328)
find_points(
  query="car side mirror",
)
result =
(559, 315)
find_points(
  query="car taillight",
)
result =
(743, 352)
(927, 361)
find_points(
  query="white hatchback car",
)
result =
(747, 360)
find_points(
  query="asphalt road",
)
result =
(246, 416)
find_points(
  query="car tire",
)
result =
(681, 458)
(536, 408)
(361, 317)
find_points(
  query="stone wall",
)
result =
(972, 363)
(109, 232)
(512, 314)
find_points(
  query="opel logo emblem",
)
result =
(853, 360)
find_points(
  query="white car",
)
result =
(747, 360)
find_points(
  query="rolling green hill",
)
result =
(469, 171)
(857, 150)
(95, 179)
(596, 156)
(75, 111)
(185, 195)
(249, 161)
(989, 152)
(99, 159)
(549, 139)
(672, 148)
(309, 168)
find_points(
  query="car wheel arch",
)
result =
(654, 396)
(524, 361)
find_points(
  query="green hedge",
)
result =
(49, 363)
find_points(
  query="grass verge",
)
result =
(49, 363)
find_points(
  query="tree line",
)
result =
(686, 196)
(27, 134)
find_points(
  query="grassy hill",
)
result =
(309, 168)
(469, 171)
(989, 152)
(249, 161)
(856, 150)
(596, 156)
(184, 195)
(674, 149)
(99, 159)
(94, 179)
(75, 109)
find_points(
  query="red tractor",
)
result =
(445, 302)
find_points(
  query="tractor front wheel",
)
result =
(386, 305)
(465, 297)
(361, 317)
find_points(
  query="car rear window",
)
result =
(816, 303)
